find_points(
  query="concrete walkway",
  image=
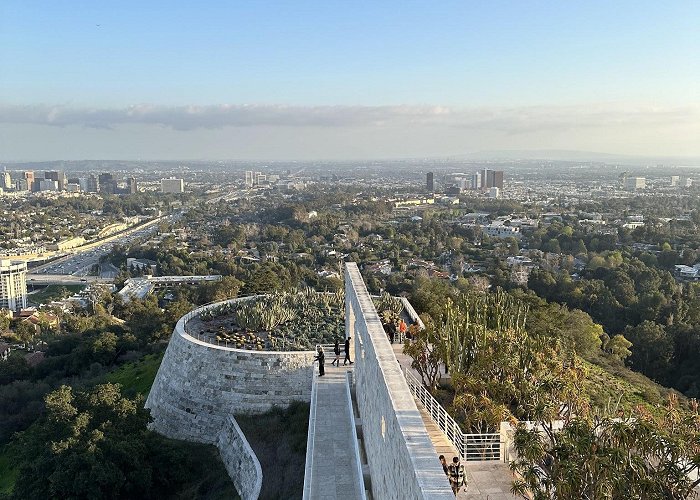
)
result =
(486, 480)
(334, 468)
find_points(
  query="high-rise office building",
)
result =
(51, 175)
(92, 184)
(498, 179)
(172, 185)
(29, 177)
(46, 185)
(58, 176)
(107, 183)
(7, 181)
(491, 178)
(13, 285)
(430, 182)
(132, 188)
(249, 178)
(675, 179)
(486, 178)
(476, 180)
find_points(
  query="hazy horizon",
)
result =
(332, 81)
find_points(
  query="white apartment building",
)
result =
(13, 285)
(172, 185)
(501, 231)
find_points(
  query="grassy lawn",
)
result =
(136, 377)
(8, 471)
(53, 292)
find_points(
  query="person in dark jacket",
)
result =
(336, 351)
(347, 351)
(321, 358)
(443, 462)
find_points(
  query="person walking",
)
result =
(321, 358)
(457, 475)
(336, 350)
(347, 351)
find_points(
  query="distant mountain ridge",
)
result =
(572, 155)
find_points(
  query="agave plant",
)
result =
(386, 302)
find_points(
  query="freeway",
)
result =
(64, 279)
(83, 259)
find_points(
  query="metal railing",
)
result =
(470, 446)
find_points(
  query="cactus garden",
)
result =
(294, 320)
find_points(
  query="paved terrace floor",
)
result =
(487, 480)
(333, 463)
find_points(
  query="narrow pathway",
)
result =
(486, 480)
(333, 462)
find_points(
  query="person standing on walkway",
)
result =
(402, 330)
(443, 462)
(321, 362)
(347, 351)
(336, 350)
(457, 475)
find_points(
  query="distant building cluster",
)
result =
(255, 179)
(486, 180)
(57, 181)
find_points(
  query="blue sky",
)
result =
(491, 55)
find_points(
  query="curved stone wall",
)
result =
(200, 386)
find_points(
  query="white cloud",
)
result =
(512, 120)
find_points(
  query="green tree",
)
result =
(603, 457)
(424, 351)
(652, 349)
(25, 332)
(618, 347)
(89, 445)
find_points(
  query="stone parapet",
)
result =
(402, 460)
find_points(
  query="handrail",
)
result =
(355, 441)
(484, 446)
(310, 437)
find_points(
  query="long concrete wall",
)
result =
(402, 460)
(240, 460)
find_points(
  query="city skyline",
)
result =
(313, 81)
